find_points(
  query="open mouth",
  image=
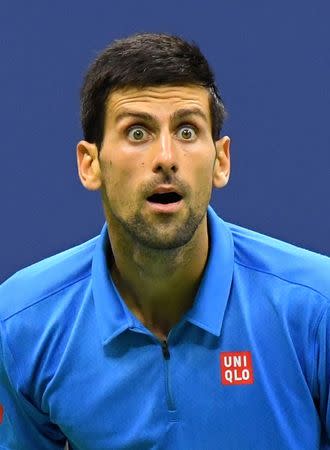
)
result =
(165, 198)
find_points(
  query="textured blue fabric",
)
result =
(77, 364)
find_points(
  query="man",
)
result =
(172, 329)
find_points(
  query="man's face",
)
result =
(158, 136)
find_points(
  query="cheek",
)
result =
(204, 172)
(114, 169)
(118, 179)
(203, 181)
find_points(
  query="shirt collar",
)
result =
(210, 303)
(207, 312)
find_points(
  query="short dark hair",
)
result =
(145, 60)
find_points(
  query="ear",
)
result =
(88, 165)
(221, 169)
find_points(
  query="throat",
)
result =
(159, 312)
(159, 316)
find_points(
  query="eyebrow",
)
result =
(184, 112)
(136, 115)
(148, 118)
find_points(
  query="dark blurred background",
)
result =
(272, 64)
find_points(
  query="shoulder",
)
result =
(39, 307)
(278, 259)
(46, 278)
(286, 292)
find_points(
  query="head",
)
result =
(152, 115)
(140, 61)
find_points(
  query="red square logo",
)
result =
(1, 413)
(236, 368)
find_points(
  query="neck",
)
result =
(159, 286)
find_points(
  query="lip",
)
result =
(165, 189)
(166, 208)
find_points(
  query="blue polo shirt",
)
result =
(246, 368)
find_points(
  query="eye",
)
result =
(187, 133)
(137, 134)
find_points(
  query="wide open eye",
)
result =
(137, 134)
(187, 133)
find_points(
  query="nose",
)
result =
(165, 155)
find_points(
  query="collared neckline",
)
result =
(211, 299)
(207, 312)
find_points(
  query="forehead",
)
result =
(159, 100)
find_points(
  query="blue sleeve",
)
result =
(22, 424)
(323, 373)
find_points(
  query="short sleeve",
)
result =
(22, 424)
(323, 373)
